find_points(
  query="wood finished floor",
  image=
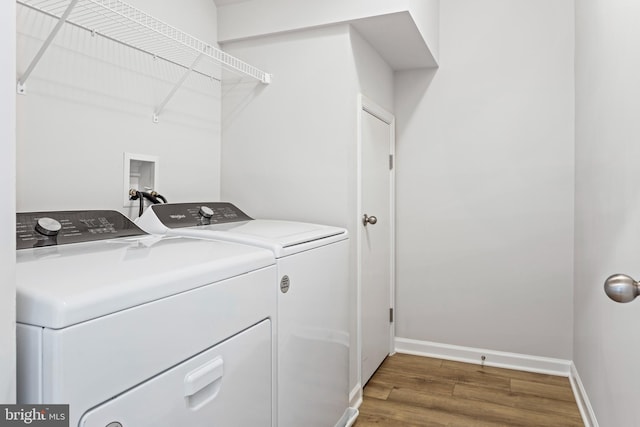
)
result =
(411, 391)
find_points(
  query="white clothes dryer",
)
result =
(135, 330)
(312, 315)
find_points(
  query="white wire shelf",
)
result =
(123, 23)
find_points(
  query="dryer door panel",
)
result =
(229, 384)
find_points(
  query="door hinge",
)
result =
(391, 315)
(390, 161)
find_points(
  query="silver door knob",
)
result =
(366, 219)
(621, 288)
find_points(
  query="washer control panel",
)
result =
(38, 229)
(179, 215)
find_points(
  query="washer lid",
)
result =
(281, 237)
(224, 221)
(59, 286)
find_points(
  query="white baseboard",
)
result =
(355, 397)
(498, 359)
(584, 405)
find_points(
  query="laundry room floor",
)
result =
(419, 391)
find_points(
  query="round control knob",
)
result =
(48, 226)
(205, 211)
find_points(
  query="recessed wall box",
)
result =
(140, 173)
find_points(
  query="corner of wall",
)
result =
(580, 393)
(426, 14)
(7, 207)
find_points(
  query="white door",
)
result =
(376, 236)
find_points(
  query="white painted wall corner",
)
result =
(584, 405)
(355, 397)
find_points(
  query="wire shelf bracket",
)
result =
(22, 81)
(160, 107)
(127, 25)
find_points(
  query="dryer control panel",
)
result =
(180, 215)
(38, 229)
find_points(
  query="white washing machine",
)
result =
(312, 288)
(134, 330)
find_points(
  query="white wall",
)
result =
(286, 146)
(90, 100)
(606, 347)
(239, 20)
(7, 203)
(375, 77)
(485, 181)
(289, 148)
